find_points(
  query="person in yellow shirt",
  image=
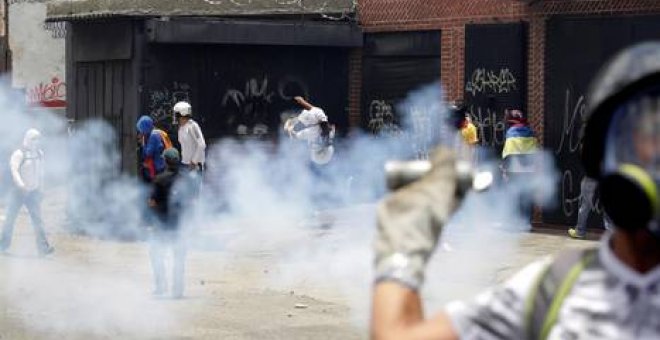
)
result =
(466, 146)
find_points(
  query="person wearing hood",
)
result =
(26, 166)
(152, 143)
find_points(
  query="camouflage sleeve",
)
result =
(499, 312)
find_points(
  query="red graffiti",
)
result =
(52, 94)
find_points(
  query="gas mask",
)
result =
(630, 180)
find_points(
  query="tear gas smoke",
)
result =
(257, 198)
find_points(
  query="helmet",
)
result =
(621, 145)
(183, 109)
(171, 156)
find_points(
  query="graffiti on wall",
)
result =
(382, 122)
(38, 62)
(49, 94)
(417, 132)
(161, 100)
(569, 144)
(319, 5)
(490, 125)
(250, 107)
(57, 29)
(483, 81)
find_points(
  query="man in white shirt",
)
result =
(315, 130)
(26, 165)
(191, 139)
(612, 292)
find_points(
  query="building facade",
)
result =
(37, 54)
(536, 55)
(238, 63)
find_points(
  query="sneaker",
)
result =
(573, 233)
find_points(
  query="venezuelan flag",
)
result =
(520, 140)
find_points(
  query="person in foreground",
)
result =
(609, 292)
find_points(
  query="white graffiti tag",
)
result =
(253, 102)
(572, 120)
(162, 100)
(491, 126)
(381, 119)
(489, 81)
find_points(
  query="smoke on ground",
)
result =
(257, 197)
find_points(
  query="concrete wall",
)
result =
(37, 54)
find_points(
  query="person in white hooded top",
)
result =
(26, 165)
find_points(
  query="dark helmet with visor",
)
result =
(621, 146)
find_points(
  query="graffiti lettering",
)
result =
(286, 3)
(490, 124)
(57, 29)
(571, 199)
(421, 130)
(253, 103)
(161, 101)
(488, 81)
(52, 94)
(569, 144)
(382, 120)
(572, 120)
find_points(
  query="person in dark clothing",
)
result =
(167, 201)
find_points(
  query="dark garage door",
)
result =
(243, 90)
(575, 49)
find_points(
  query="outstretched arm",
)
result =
(397, 314)
(410, 222)
(302, 102)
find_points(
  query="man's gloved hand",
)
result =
(411, 219)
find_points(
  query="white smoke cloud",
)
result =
(257, 197)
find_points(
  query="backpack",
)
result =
(552, 287)
(148, 169)
(167, 142)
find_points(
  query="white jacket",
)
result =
(26, 163)
(193, 145)
(319, 153)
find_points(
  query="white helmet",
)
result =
(183, 109)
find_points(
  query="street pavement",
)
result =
(286, 280)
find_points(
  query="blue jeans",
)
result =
(160, 243)
(588, 188)
(32, 201)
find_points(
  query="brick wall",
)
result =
(354, 87)
(451, 16)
